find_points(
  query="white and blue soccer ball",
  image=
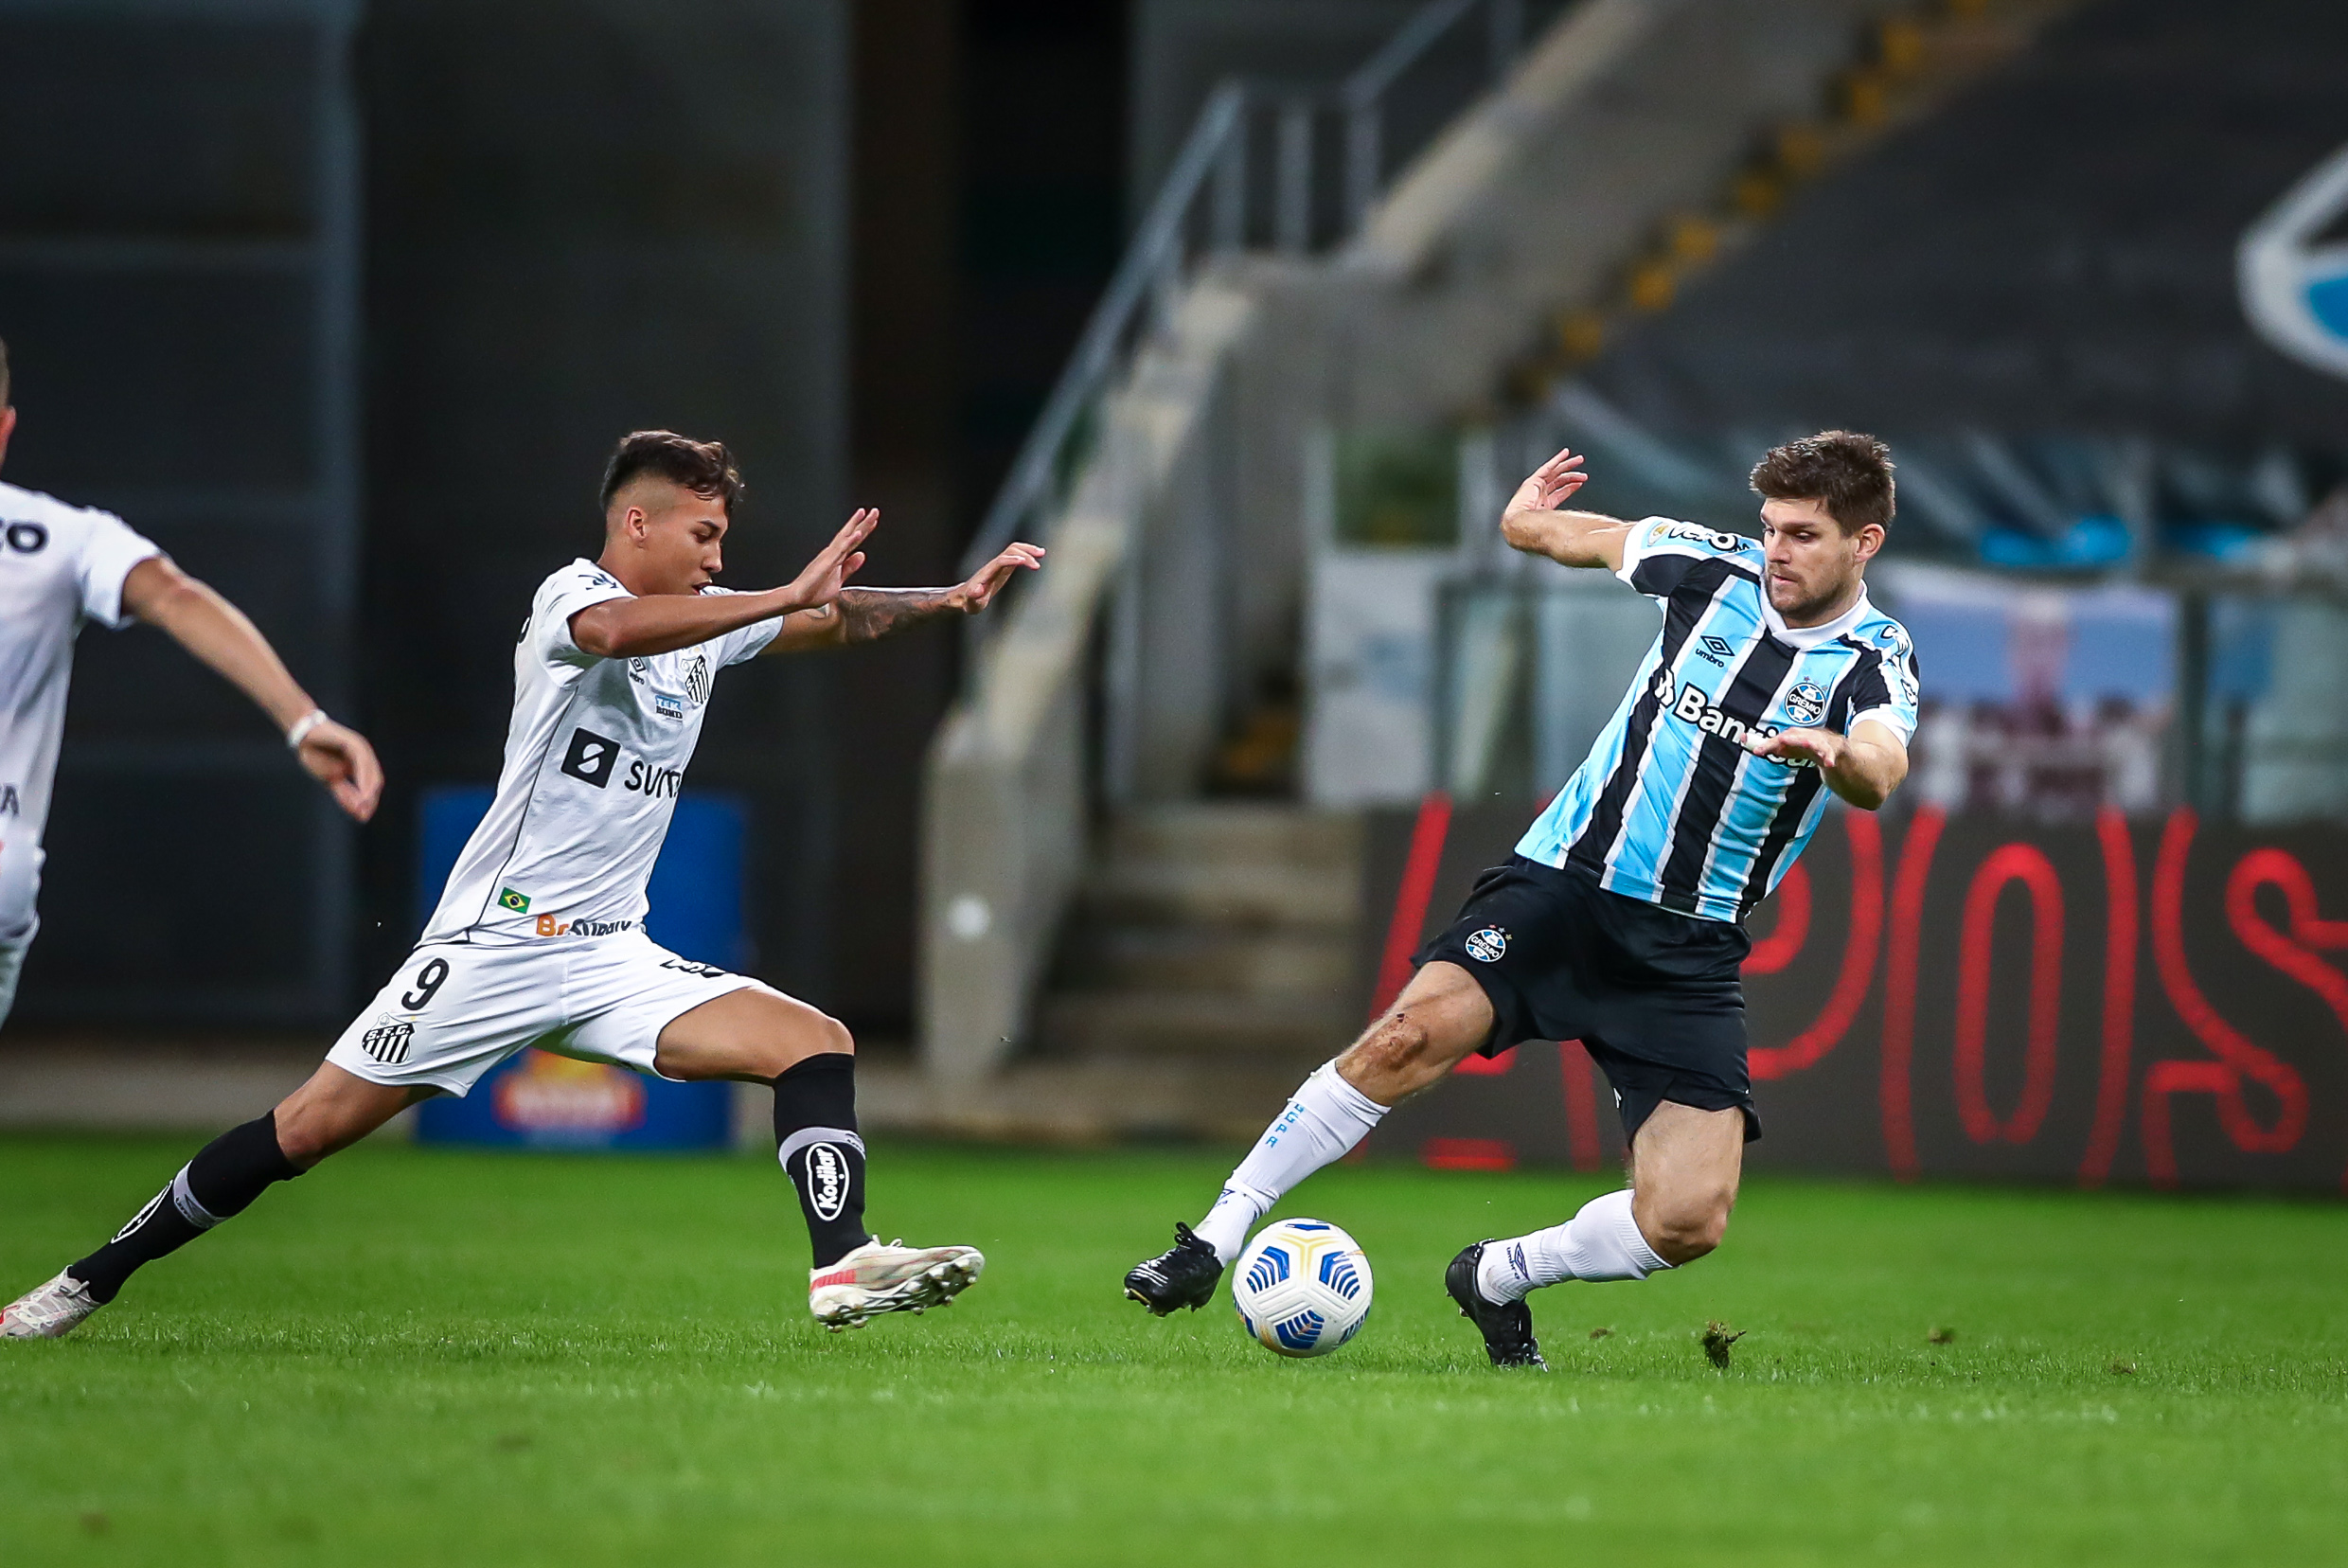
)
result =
(1302, 1287)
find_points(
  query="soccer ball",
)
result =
(1303, 1288)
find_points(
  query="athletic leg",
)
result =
(759, 1036)
(755, 1035)
(330, 1113)
(1441, 1016)
(1684, 1165)
(1685, 1168)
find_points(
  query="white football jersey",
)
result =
(595, 755)
(59, 567)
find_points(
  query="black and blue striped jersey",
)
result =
(1670, 807)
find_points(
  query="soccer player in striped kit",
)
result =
(1619, 921)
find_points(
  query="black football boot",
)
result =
(1507, 1324)
(1182, 1275)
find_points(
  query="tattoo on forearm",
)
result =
(876, 612)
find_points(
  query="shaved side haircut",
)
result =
(705, 468)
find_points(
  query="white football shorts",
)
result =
(454, 1010)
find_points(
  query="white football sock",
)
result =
(1323, 1123)
(1603, 1241)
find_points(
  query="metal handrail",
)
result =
(1155, 250)
(1214, 161)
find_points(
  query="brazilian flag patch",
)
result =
(518, 903)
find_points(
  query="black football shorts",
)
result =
(1652, 994)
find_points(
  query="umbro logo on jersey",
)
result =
(1715, 651)
(591, 757)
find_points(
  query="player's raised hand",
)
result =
(985, 583)
(1801, 747)
(1550, 486)
(1539, 522)
(820, 581)
(1863, 767)
(338, 757)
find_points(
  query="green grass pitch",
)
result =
(433, 1357)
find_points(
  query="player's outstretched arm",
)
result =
(1863, 767)
(218, 633)
(861, 615)
(661, 623)
(1538, 521)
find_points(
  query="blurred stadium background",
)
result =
(1253, 312)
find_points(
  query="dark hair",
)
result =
(705, 468)
(1850, 474)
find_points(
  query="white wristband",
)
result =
(302, 726)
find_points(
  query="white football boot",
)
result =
(890, 1277)
(48, 1311)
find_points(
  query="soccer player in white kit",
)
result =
(539, 937)
(62, 566)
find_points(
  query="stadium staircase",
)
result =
(1108, 951)
(1219, 934)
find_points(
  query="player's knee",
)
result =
(1393, 1059)
(1683, 1225)
(306, 1134)
(1397, 1050)
(821, 1035)
(833, 1037)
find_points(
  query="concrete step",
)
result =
(1246, 895)
(1242, 834)
(1195, 1025)
(1290, 962)
(1215, 938)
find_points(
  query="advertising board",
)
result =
(2153, 1001)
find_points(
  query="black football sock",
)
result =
(219, 1183)
(815, 1138)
